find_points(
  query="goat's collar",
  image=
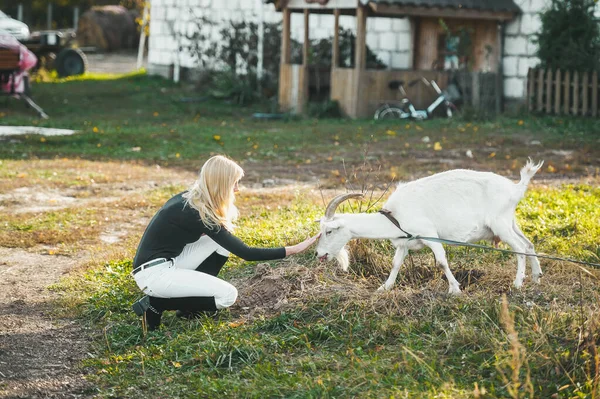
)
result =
(388, 214)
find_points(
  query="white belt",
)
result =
(149, 264)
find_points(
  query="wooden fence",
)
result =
(562, 92)
(481, 91)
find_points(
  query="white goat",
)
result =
(460, 205)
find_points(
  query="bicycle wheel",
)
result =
(379, 110)
(393, 113)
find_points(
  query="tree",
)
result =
(569, 38)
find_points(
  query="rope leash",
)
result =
(466, 244)
(411, 237)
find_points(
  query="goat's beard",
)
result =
(342, 258)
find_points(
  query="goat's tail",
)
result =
(528, 171)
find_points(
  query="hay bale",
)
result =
(108, 28)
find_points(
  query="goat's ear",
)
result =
(336, 224)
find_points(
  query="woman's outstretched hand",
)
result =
(301, 247)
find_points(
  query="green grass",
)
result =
(141, 118)
(335, 337)
(412, 342)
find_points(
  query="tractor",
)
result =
(54, 50)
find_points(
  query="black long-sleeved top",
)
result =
(176, 224)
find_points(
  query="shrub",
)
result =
(569, 38)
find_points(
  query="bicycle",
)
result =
(405, 109)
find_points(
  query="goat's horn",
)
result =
(330, 211)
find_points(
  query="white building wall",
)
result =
(519, 47)
(389, 38)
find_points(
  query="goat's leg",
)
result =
(401, 252)
(510, 237)
(536, 270)
(442, 262)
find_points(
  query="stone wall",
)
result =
(389, 38)
(519, 48)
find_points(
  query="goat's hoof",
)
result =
(518, 285)
(454, 292)
(536, 278)
(383, 288)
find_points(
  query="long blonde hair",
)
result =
(212, 193)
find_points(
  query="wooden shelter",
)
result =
(359, 90)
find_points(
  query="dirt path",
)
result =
(56, 217)
(40, 352)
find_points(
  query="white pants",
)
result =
(180, 278)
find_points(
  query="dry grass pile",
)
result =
(420, 283)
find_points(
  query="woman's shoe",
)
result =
(141, 305)
(152, 319)
(152, 316)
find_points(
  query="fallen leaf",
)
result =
(437, 146)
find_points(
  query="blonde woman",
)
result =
(189, 240)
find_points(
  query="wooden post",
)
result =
(530, 88)
(360, 53)
(286, 97)
(575, 93)
(49, 16)
(475, 90)
(584, 94)
(557, 85)
(500, 67)
(142, 44)
(306, 45)
(335, 51)
(360, 63)
(549, 75)
(76, 17)
(285, 39)
(304, 72)
(20, 12)
(594, 93)
(567, 91)
(260, 47)
(540, 90)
